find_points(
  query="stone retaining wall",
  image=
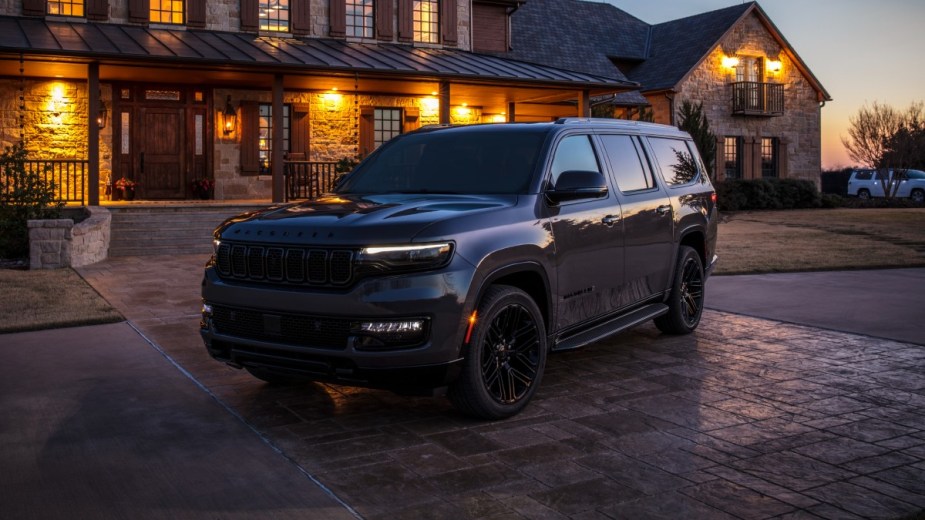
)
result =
(56, 243)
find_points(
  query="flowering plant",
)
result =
(126, 184)
(202, 185)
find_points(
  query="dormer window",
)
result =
(274, 15)
(66, 8)
(360, 18)
(426, 21)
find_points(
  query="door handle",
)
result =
(662, 210)
(610, 220)
(141, 168)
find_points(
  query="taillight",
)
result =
(713, 197)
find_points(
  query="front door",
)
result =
(162, 138)
(161, 153)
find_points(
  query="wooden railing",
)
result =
(309, 179)
(751, 98)
(68, 175)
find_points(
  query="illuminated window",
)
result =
(66, 8)
(769, 157)
(274, 15)
(167, 11)
(265, 135)
(360, 18)
(426, 21)
(732, 153)
(386, 125)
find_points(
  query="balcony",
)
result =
(751, 98)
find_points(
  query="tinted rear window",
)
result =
(675, 160)
(450, 162)
(863, 175)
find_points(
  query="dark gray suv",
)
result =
(453, 259)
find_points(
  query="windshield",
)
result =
(471, 162)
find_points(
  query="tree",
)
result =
(693, 121)
(24, 195)
(885, 138)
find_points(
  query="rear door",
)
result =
(647, 227)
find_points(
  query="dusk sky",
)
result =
(860, 50)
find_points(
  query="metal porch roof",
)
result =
(117, 43)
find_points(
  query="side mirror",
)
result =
(577, 184)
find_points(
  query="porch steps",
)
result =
(168, 229)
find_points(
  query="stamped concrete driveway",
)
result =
(746, 418)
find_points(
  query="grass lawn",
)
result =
(749, 242)
(46, 299)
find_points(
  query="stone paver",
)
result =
(745, 418)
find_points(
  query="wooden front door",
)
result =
(162, 138)
(161, 153)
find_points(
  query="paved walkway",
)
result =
(746, 418)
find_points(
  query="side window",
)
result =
(676, 162)
(625, 163)
(574, 153)
(864, 175)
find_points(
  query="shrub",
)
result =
(24, 195)
(738, 194)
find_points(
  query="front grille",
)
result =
(285, 265)
(292, 329)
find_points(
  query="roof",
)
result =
(600, 36)
(115, 43)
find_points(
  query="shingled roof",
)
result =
(596, 37)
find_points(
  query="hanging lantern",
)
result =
(102, 117)
(229, 118)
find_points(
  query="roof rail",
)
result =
(607, 121)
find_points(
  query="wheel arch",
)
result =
(529, 277)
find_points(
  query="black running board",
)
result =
(611, 327)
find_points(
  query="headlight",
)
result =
(404, 258)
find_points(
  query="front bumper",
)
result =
(287, 329)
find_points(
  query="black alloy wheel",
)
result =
(864, 194)
(685, 303)
(506, 356)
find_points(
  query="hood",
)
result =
(356, 220)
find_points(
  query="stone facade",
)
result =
(798, 130)
(56, 243)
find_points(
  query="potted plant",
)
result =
(202, 188)
(126, 187)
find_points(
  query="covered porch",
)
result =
(162, 110)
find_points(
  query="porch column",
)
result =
(93, 134)
(584, 104)
(444, 102)
(510, 112)
(276, 157)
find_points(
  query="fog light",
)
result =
(206, 316)
(389, 334)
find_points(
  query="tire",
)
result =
(506, 356)
(685, 303)
(917, 196)
(864, 194)
(273, 378)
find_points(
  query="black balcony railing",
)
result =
(751, 98)
(308, 179)
(68, 175)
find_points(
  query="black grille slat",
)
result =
(295, 265)
(341, 266)
(275, 264)
(306, 331)
(317, 266)
(284, 265)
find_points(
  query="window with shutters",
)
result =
(360, 18)
(426, 21)
(386, 125)
(274, 15)
(167, 11)
(769, 154)
(265, 135)
(66, 8)
(732, 153)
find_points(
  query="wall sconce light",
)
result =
(774, 66)
(730, 62)
(229, 117)
(102, 117)
(332, 99)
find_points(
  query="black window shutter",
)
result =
(196, 13)
(301, 17)
(448, 21)
(338, 18)
(33, 7)
(249, 12)
(250, 135)
(384, 15)
(139, 11)
(405, 20)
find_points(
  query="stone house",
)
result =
(760, 98)
(240, 92)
